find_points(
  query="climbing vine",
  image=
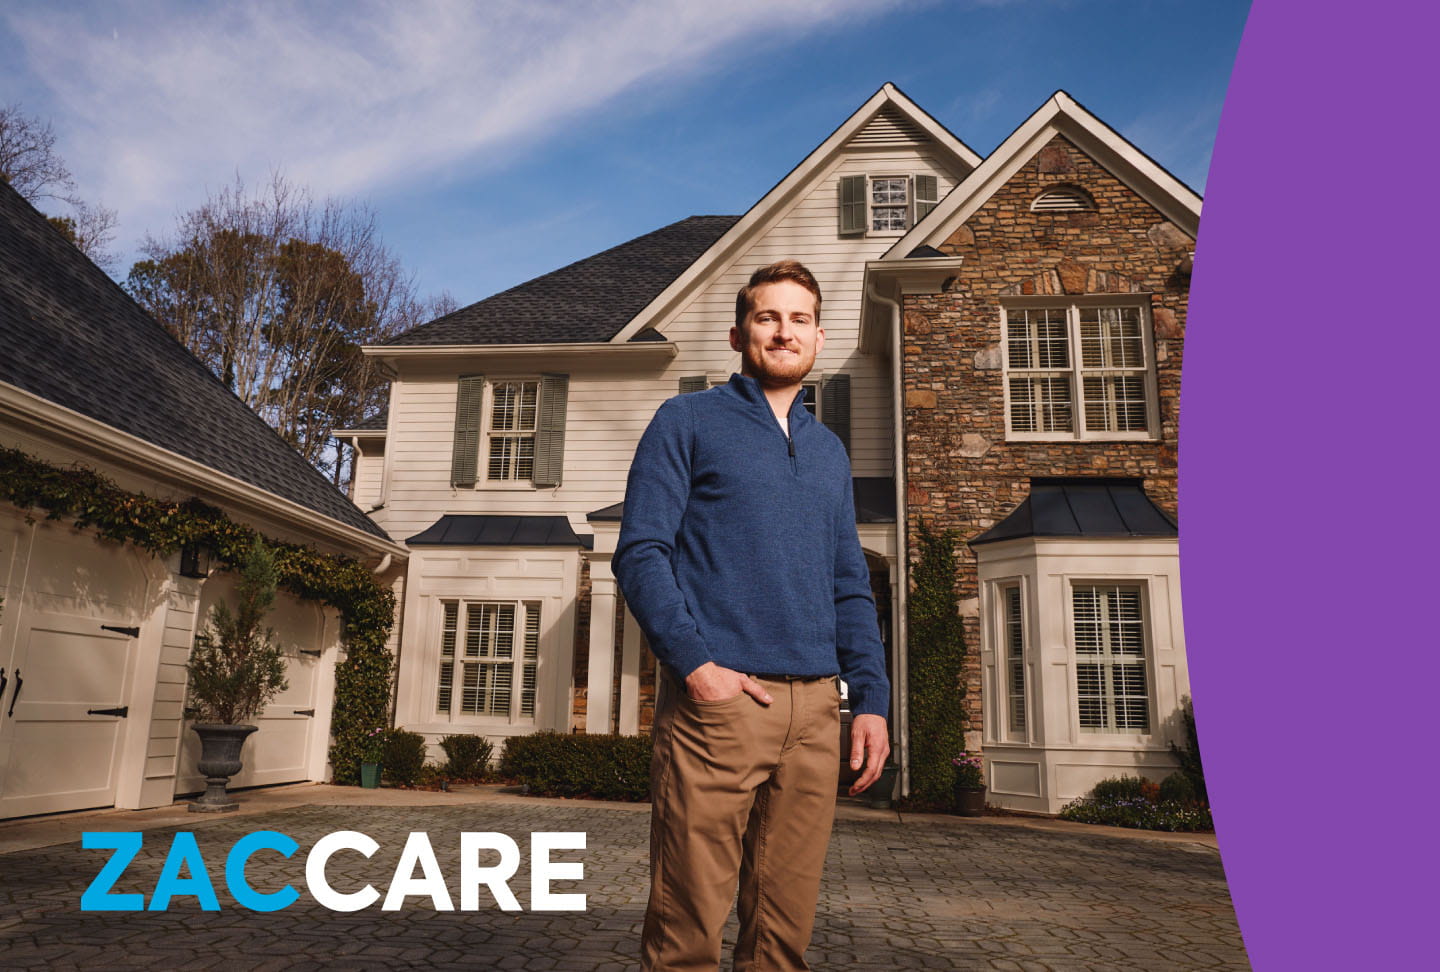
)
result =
(937, 657)
(367, 610)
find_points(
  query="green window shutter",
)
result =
(550, 430)
(469, 398)
(852, 205)
(927, 194)
(835, 406)
(693, 383)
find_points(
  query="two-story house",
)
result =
(1002, 356)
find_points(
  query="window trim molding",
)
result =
(1072, 304)
(482, 459)
(1147, 623)
(457, 717)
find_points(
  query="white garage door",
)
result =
(72, 610)
(282, 750)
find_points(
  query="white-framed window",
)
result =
(1012, 651)
(885, 203)
(489, 653)
(1079, 369)
(1111, 681)
(510, 431)
(889, 203)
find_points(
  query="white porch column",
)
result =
(630, 677)
(601, 671)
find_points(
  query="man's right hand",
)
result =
(713, 683)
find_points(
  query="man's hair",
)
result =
(792, 270)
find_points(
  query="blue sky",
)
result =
(497, 141)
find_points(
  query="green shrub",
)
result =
(1119, 788)
(1177, 788)
(1189, 756)
(605, 767)
(937, 656)
(1140, 814)
(404, 757)
(467, 757)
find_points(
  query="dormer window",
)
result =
(1063, 199)
(885, 204)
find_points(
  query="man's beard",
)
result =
(788, 371)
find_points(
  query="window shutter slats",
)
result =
(852, 205)
(465, 453)
(835, 406)
(550, 434)
(927, 194)
(693, 383)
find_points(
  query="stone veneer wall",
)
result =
(961, 473)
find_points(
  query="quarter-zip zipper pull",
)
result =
(791, 443)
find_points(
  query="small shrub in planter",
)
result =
(467, 757)
(404, 757)
(606, 767)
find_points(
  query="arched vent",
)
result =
(1063, 199)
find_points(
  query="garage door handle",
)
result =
(127, 632)
(305, 712)
(18, 682)
(121, 711)
(312, 654)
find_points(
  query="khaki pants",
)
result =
(741, 791)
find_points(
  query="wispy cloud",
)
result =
(157, 101)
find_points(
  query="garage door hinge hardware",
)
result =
(305, 712)
(18, 682)
(312, 654)
(122, 711)
(127, 632)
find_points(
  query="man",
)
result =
(739, 557)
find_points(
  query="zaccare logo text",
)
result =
(184, 858)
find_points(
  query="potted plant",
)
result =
(969, 785)
(235, 669)
(372, 755)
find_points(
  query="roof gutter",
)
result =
(66, 426)
(642, 348)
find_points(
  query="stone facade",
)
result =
(961, 472)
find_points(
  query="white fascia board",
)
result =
(359, 433)
(659, 349)
(669, 299)
(1058, 115)
(895, 279)
(108, 444)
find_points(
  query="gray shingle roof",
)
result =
(70, 335)
(590, 300)
(1083, 507)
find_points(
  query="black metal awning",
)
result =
(498, 531)
(1083, 507)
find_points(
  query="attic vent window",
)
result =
(1063, 199)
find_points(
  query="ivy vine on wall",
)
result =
(367, 610)
(937, 658)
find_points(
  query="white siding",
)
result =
(611, 401)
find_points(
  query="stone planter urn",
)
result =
(969, 800)
(220, 747)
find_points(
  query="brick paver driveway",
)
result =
(918, 894)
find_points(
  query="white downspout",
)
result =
(901, 690)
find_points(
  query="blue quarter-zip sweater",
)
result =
(738, 544)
